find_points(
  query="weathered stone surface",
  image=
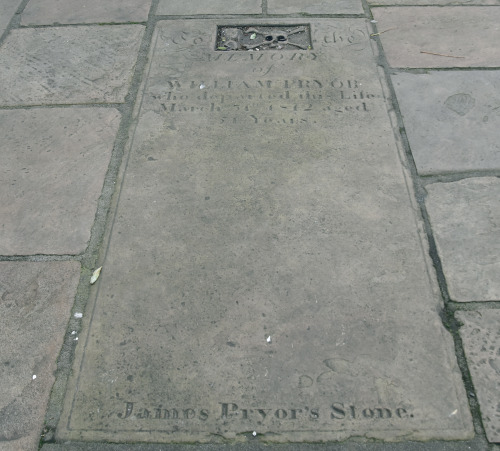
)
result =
(315, 6)
(264, 271)
(465, 218)
(35, 304)
(451, 119)
(190, 7)
(7, 10)
(449, 31)
(481, 338)
(53, 167)
(48, 12)
(68, 65)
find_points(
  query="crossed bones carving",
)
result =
(275, 38)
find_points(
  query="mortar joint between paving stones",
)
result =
(14, 22)
(446, 313)
(41, 258)
(473, 306)
(453, 325)
(420, 192)
(423, 71)
(367, 10)
(457, 176)
(94, 252)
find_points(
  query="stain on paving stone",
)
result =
(264, 272)
(460, 103)
(452, 119)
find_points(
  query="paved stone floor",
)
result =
(296, 207)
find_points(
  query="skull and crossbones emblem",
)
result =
(261, 38)
(274, 38)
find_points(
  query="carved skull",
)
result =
(274, 37)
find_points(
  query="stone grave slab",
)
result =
(192, 7)
(465, 216)
(265, 274)
(68, 65)
(314, 7)
(452, 32)
(49, 12)
(454, 126)
(481, 339)
(7, 11)
(53, 167)
(35, 304)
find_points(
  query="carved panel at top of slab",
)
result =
(256, 38)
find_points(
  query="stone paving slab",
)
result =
(52, 12)
(35, 304)
(454, 125)
(192, 7)
(314, 6)
(470, 33)
(68, 65)
(465, 219)
(481, 338)
(7, 11)
(53, 165)
(265, 271)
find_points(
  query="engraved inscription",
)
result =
(354, 39)
(232, 411)
(262, 101)
(160, 412)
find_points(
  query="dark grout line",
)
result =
(457, 176)
(95, 250)
(40, 258)
(474, 305)
(425, 70)
(14, 22)
(447, 313)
